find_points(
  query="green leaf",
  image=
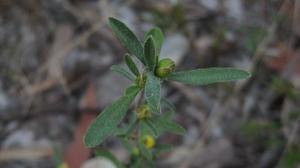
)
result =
(126, 144)
(151, 127)
(122, 71)
(131, 89)
(152, 92)
(165, 124)
(151, 164)
(127, 38)
(131, 124)
(158, 38)
(145, 152)
(144, 129)
(167, 104)
(170, 126)
(167, 115)
(119, 132)
(149, 52)
(208, 76)
(137, 163)
(131, 65)
(110, 156)
(163, 147)
(173, 127)
(106, 123)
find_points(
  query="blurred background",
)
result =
(55, 57)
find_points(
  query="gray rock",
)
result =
(211, 4)
(235, 9)
(109, 87)
(100, 162)
(174, 47)
(42, 132)
(4, 102)
(25, 139)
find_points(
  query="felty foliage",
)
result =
(106, 124)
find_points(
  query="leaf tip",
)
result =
(111, 19)
(150, 39)
(245, 74)
(87, 141)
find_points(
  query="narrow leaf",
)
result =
(158, 38)
(163, 147)
(138, 163)
(131, 124)
(164, 125)
(127, 38)
(126, 144)
(131, 65)
(145, 152)
(106, 123)
(167, 104)
(152, 92)
(119, 132)
(209, 76)
(144, 129)
(122, 71)
(149, 52)
(130, 90)
(151, 127)
(167, 115)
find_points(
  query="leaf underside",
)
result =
(106, 123)
(208, 76)
(131, 65)
(152, 92)
(122, 71)
(127, 38)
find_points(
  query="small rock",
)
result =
(204, 45)
(39, 133)
(211, 4)
(235, 9)
(191, 136)
(24, 139)
(109, 87)
(98, 162)
(174, 47)
(3, 101)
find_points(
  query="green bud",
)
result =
(164, 67)
(141, 80)
(135, 151)
(143, 112)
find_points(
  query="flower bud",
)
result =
(148, 141)
(143, 112)
(135, 151)
(164, 67)
(141, 80)
(63, 165)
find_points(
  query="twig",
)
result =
(24, 154)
